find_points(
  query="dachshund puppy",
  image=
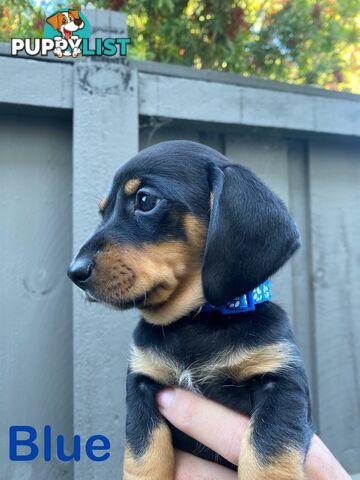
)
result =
(190, 239)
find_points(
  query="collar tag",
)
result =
(244, 303)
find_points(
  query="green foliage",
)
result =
(299, 41)
(18, 18)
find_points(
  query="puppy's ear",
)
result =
(75, 13)
(54, 20)
(250, 236)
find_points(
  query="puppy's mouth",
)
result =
(140, 301)
(67, 34)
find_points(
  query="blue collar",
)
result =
(245, 303)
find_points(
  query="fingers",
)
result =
(189, 467)
(322, 465)
(211, 424)
(221, 429)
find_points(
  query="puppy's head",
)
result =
(181, 225)
(66, 22)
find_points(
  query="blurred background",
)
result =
(272, 85)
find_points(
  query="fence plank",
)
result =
(303, 302)
(29, 82)
(35, 295)
(190, 99)
(335, 221)
(161, 130)
(105, 135)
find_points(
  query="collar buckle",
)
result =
(244, 303)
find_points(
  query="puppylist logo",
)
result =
(67, 34)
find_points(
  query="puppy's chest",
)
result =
(236, 364)
(169, 371)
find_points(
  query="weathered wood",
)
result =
(230, 104)
(180, 71)
(117, 22)
(159, 131)
(35, 295)
(106, 23)
(105, 135)
(334, 173)
(49, 84)
(30, 82)
(303, 302)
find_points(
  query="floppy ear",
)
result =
(250, 235)
(75, 13)
(54, 21)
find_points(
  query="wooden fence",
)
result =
(65, 126)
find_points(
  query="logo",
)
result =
(73, 28)
(67, 34)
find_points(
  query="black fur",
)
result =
(281, 400)
(250, 236)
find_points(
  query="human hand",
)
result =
(222, 429)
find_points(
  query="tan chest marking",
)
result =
(246, 363)
(239, 365)
(158, 367)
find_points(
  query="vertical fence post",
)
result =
(105, 135)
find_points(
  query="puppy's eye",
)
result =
(64, 20)
(145, 201)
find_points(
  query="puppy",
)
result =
(190, 239)
(67, 23)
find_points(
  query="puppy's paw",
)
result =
(285, 466)
(58, 52)
(76, 52)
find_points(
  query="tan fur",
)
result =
(55, 20)
(288, 465)
(74, 13)
(168, 272)
(157, 463)
(158, 367)
(195, 232)
(239, 365)
(187, 297)
(132, 185)
(102, 204)
(247, 363)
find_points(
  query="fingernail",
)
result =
(165, 398)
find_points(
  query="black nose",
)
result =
(78, 21)
(80, 271)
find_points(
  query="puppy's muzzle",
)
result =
(80, 271)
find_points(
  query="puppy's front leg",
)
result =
(149, 453)
(277, 440)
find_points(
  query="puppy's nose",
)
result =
(78, 22)
(80, 271)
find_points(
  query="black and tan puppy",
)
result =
(182, 227)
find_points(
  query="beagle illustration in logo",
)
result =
(67, 23)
